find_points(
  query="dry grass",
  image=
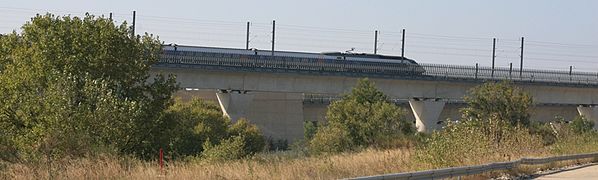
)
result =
(325, 167)
(82, 168)
(285, 165)
(368, 162)
(265, 166)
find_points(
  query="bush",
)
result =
(546, 131)
(188, 125)
(495, 127)
(501, 101)
(477, 142)
(309, 130)
(244, 140)
(192, 126)
(575, 137)
(581, 125)
(251, 136)
(229, 149)
(364, 117)
(574, 143)
(278, 144)
(331, 139)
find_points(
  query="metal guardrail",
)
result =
(472, 170)
(288, 64)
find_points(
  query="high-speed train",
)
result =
(326, 61)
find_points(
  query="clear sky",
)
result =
(558, 34)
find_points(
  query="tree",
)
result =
(251, 135)
(502, 101)
(71, 86)
(198, 128)
(367, 118)
(189, 124)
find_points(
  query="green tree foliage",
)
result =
(331, 139)
(365, 116)
(189, 124)
(309, 130)
(71, 86)
(198, 127)
(243, 141)
(229, 149)
(502, 101)
(251, 136)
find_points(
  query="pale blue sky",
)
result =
(557, 33)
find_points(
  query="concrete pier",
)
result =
(234, 103)
(427, 113)
(590, 112)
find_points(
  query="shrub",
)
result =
(581, 125)
(575, 137)
(188, 125)
(252, 137)
(546, 131)
(243, 140)
(309, 130)
(495, 126)
(192, 126)
(573, 143)
(477, 142)
(228, 149)
(501, 100)
(365, 116)
(278, 144)
(331, 139)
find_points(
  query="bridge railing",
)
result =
(500, 73)
(309, 98)
(266, 63)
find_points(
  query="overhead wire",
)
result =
(324, 38)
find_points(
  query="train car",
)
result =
(327, 61)
(396, 64)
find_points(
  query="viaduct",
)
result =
(279, 91)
